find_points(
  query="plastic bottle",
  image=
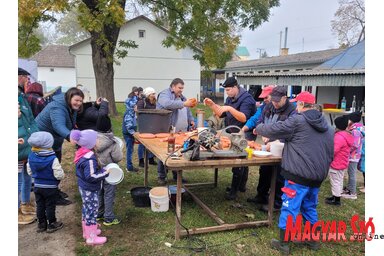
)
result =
(362, 107)
(343, 103)
(353, 108)
(171, 141)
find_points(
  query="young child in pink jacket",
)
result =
(343, 145)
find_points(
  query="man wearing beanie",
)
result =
(47, 172)
(146, 102)
(343, 143)
(89, 178)
(107, 151)
(357, 130)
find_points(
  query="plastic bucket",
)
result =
(277, 148)
(153, 120)
(159, 199)
(172, 191)
(116, 175)
(140, 196)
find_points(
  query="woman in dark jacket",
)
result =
(59, 118)
(87, 119)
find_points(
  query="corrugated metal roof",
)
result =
(306, 73)
(242, 51)
(55, 56)
(299, 58)
(351, 58)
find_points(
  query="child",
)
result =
(89, 180)
(356, 129)
(46, 170)
(361, 165)
(343, 143)
(107, 151)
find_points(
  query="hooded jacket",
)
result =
(57, 119)
(357, 130)
(343, 145)
(91, 111)
(308, 149)
(107, 149)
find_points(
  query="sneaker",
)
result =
(362, 190)
(349, 196)
(28, 209)
(62, 201)
(152, 161)
(25, 219)
(54, 226)
(161, 182)
(115, 221)
(41, 227)
(256, 200)
(332, 201)
(99, 218)
(131, 170)
(63, 194)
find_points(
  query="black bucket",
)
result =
(153, 120)
(140, 196)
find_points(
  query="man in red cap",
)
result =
(307, 155)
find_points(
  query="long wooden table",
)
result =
(159, 149)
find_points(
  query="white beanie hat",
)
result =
(148, 91)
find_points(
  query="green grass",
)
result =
(143, 232)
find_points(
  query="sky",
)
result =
(308, 19)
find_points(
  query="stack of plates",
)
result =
(261, 153)
(116, 175)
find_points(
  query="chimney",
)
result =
(284, 51)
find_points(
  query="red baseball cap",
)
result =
(305, 97)
(266, 91)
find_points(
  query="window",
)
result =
(52, 69)
(266, 71)
(141, 33)
(277, 70)
(286, 70)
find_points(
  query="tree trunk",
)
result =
(104, 76)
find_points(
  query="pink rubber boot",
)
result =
(98, 231)
(92, 238)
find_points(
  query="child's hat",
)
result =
(341, 122)
(41, 140)
(86, 138)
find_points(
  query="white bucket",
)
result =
(159, 199)
(116, 175)
(120, 142)
(277, 148)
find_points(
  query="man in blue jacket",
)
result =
(307, 154)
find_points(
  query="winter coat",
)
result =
(129, 119)
(308, 148)
(108, 149)
(343, 145)
(357, 130)
(45, 168)
(243, 102)
(89, 175)
(87, 119)
(34, 95)
(27, 126)
(58, 119)
(167, 100)
(271, 115)
(143, 103)
(362, 158)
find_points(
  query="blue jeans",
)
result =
(162, 172)
(129, 143)
(140, 152)
(24, 186)
(106, 201)
(352, 170)
(305, 201)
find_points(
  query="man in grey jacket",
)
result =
(181, 118)
(307, 155)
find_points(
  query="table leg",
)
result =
(216, 176)
(331, 119)
(272, 195)
(178, 204)
(145, 167)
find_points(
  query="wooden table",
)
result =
(159, 149)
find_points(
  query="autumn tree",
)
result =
(349, 22)
(211, 28)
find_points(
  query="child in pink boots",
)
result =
(89, 178)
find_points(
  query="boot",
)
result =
(28, 208)
(243, 181)
(152, 161)
(313, 245)
(25, 218)
(141, 162)
(334, 201)
(280, 245)
(231, 195)
(42, 226)
(98, 231)
(92, 238)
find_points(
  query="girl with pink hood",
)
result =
(343, 145)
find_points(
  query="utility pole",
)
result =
(260, 50)
(302, 50)
(281, 35)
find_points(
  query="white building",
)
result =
(56, 67)
(151, 64)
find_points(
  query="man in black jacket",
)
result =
(307, 154)
(279, 109)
